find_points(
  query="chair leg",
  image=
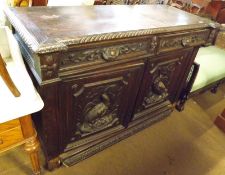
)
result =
(32, 144)
(31, 147)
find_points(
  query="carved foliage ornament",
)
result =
(169, 43)
(106, 54)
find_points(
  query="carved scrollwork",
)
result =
(176, 42)
(106, 54)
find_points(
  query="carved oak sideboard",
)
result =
(105, 72)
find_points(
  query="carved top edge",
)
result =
(127, 34)
(35, 46)
(46, 46)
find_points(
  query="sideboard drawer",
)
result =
(10, 137)
(113, 52)
(176, 41)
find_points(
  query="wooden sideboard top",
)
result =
(49, 29)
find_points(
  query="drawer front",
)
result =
(10, 137)
(171, 42)
(100, 54)
(9, 125)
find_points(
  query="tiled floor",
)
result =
(186, 143)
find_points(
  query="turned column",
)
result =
(32, 144)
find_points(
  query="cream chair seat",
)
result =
(208, 71)
(212, 66)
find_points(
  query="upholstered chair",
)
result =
(18, 99)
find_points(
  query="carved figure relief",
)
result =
(100, 106)
(106, 54)
(158, 91)
(161, 76)
(97, 116)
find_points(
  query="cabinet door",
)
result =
(99, 100)
(162, 80)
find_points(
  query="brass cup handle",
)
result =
(1, 141)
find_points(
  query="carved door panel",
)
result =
(100, 100)
(161, 78)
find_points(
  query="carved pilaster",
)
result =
(49, 66)
(154, 43)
